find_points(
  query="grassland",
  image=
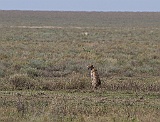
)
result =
(43, 59)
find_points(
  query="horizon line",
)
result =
(73, 10)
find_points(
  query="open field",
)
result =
(81, 106)
(43, 59)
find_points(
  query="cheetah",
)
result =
(94, 77)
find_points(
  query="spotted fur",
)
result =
(94, 77)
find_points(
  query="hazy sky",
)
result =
(81, 5)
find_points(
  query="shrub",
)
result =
(2, 74)
(33, 72)
(77, 81)
(4, 85)
(21, 81)
(39, 64)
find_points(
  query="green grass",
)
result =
(43, 73)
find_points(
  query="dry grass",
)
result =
(56, 59)
(43, 73)
(79, 106)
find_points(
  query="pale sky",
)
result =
(81, 5)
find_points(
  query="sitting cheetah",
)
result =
(94, 77)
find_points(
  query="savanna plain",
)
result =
(44, 58)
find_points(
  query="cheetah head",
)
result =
(90, 67)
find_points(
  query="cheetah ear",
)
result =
(89, 67)
(92, 66)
